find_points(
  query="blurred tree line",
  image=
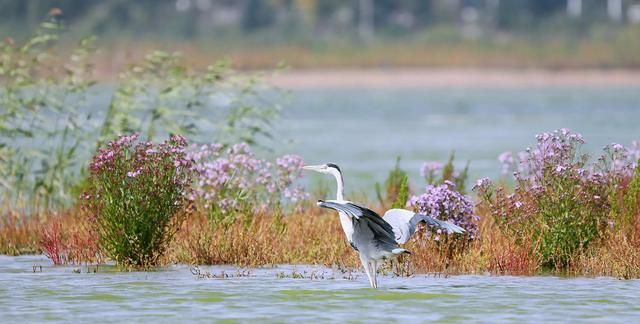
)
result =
(324, 18)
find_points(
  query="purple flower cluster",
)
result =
(556, 152)
(122, 159)
(445, 203)
(482, 184)
(229, 177)
(106, 157)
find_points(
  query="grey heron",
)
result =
(375, 238)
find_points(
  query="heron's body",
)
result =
(371, 236)
(347, 226)
(375, 238)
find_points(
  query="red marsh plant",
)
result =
(69, 237)
(560, 200)
(51, 242)
(137, 192)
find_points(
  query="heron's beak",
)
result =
(316, 168)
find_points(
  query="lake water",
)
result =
(174, 294)
(363, 130)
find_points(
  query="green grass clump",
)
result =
(396, 187)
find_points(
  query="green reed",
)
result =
(50, 125)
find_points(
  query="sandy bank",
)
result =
(434, 78)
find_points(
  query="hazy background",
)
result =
(355, 33)
(376, 79)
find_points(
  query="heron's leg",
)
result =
(373, 274)
(367, 269)
(374, 266)
(372, 270)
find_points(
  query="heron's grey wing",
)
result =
(342, 206)
(449, 227)
(382, 231)
(400, 221)
(404, 223)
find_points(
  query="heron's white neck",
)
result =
(340, 182)
(345, 220)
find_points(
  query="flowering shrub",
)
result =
(560, 199)
(136, 192)
(445, 203)
(233, 182)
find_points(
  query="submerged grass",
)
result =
(617, 257)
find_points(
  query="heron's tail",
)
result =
(449, 227)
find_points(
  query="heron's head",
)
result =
(328, 168)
